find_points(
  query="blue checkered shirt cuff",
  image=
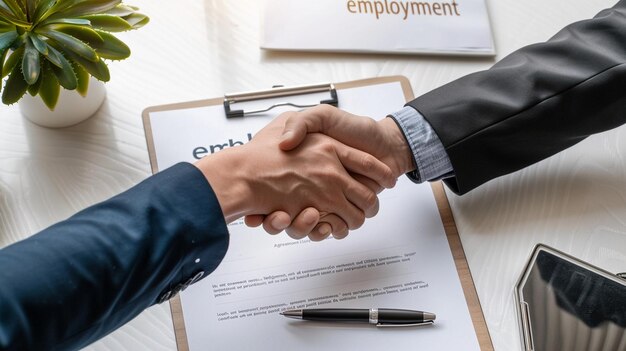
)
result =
(430, 156)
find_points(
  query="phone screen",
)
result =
(568, 305)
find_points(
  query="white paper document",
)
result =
(399, 259)
(394, 26)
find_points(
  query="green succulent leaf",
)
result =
(31, 65)
(5, 26)
(12, 61)
(4, 6)
(39, 44)
(50, 88)
(22, 6)
(15, 8)
(19, 42)
(98, 70)
(76, 21)
(7, 15)
(54, 56)
(7, 39)
(49, 44)
(120, 10)
(60, 6)
(83, 79)
(137, 20)
(3, 54)
(112, 48)
(43, 8)
(70, 43)
(15, 87)
(108, 23)
(82, 33)
(65, 75)
(57, 8)
(33, 89)
(89, 7)
(30, 8)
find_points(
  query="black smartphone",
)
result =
(564, 303)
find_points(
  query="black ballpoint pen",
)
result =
(382, 317)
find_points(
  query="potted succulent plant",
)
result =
(50, 46)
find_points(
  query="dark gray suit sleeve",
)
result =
(534, 103)
(82, 278)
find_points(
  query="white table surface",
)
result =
(575, 201)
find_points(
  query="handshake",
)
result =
(315, 172)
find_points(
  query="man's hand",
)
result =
(382, 139)
(313, 178)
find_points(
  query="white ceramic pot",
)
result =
(71, 109)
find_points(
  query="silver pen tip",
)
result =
(292, 314)
(429, 316)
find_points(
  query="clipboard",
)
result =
(230, 111)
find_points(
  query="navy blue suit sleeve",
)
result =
(82, 278)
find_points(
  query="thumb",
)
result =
(294, 132)
(313, 120)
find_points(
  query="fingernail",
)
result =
(278, 223)
(310, 217)
(324, 229)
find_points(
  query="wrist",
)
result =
(400, 158)
(224, 172)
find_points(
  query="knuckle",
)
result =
(288, 118)
(326, 146)
(358, 222)
(370, 123)
(330, 174)
(324, 108)
(371, 200)
(289, 114)
(389, 178)
(372, 211)
(368, 163)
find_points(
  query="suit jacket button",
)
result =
(166, 296)
(193, 279)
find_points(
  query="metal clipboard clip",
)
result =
(231, 99)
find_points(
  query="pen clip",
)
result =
(397, 325)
